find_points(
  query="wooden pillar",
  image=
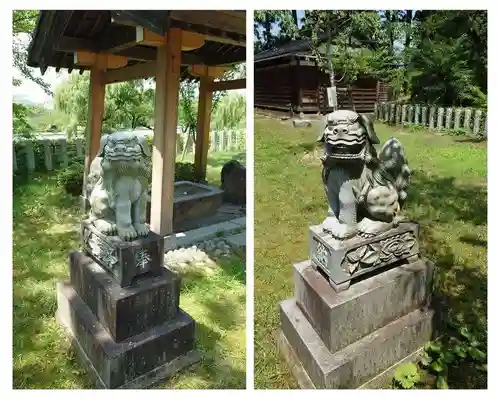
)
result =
(165, 132)
(203, 127)
(296, 83)
(94, 119)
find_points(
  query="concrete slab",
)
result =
(359, 362)
(240, 221)
(237, 240)
(197, 235)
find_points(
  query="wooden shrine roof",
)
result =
(59, 34)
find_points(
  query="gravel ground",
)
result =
(200, 258)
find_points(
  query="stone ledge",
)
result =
(204, 233)
(137, 362)
(361, 361)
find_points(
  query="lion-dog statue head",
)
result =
(348, 136)
(120, 154)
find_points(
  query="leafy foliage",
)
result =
(463, 344)
(264, 20)
(406, 376)
(432, 57)
(71, 178)
(20, 122)
(23, 22)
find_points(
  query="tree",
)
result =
(343, 41)
(23, 22)
(285, 23)
(448, 61)
(127, 105)
(20, 123)
(188, 101)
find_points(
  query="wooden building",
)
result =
(170, 45)
(287, 78)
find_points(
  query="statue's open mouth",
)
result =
(122, 156)
(354, 151)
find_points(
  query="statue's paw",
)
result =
(105, 227)
(368, 228)
(127, 233)
(142, 229)
(338, 230)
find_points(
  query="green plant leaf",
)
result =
(460, 351)
(482, 367)
(433, 347)
(407, 375)
(425, 359)
(477, 354)
(441, 383)
(464, 332)
(437, 367)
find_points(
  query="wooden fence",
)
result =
(48, 154)
(473, 121)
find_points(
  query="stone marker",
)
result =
(233, 182)
(301, 123)
(121, 306)
(362, 300)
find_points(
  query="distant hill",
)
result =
(23, 99)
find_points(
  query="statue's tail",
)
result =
(394, 166)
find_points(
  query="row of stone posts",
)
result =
(435, 118)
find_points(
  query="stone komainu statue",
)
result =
(117, 185)
(365, 191)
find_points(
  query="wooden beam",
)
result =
(190, 40)
(110, 61)
(203, 127)
(137, 71)
(203, 70)
(229, 85)
(95, 115)
(168, 65)
(140, 53)
(116, 38)
(210, 33)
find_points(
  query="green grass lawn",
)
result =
(45, 230)
(447, 197)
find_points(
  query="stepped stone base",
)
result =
(347, 339)
(138, 362)
(357, 363)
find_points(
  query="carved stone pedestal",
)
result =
(124, 320)
(125, 260)
(344, 339)
(345, 260)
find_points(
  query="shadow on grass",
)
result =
(474, 241)
(460, 284)
(455, 202)
(470, 140)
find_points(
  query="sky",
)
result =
(29, 91)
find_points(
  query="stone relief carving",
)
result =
(117, 185)
(365, 190)
(374, 254)
(104, 252)
(322, 254)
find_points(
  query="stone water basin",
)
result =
(193, 201)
